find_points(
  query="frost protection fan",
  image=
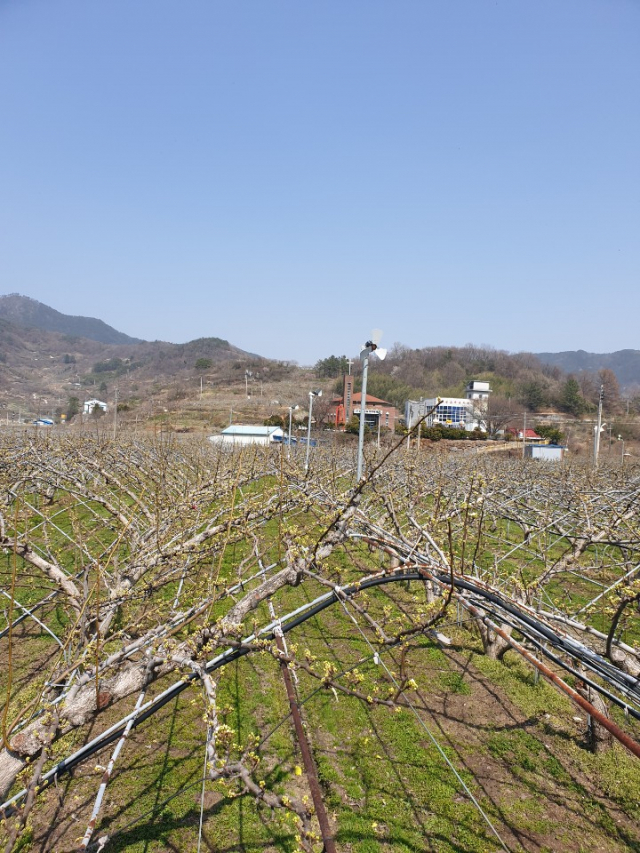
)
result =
(372, 346)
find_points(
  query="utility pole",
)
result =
(292, 409)
(312, 394)
(598, 428)
(524, 435)
(115, 416)
(369, 348)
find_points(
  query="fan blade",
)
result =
(376, 335)
(381, 353)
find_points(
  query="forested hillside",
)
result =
(516, 378)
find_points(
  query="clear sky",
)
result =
(289, 174)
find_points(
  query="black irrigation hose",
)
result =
(553, 638)
(67, 764)
(628, 685)
(595, 662)
(564, 665)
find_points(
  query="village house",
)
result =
(530, 435)
(90, 405)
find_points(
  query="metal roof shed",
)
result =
(241, 434)
(545, 452)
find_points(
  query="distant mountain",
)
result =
(40, 370)
(24, 311)
(625, 363)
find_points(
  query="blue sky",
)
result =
(289, 175)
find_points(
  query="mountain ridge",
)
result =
(25, 311)
(625, 363)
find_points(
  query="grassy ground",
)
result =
(518, 745)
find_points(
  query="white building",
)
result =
(237, 435)
(545, 452)
(90, 405)
(468, 412)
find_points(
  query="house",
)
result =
(530, 435)
(377, 412)
(237, 435)
(90, 405)
(468, 412)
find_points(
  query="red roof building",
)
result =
(529, 434)
(377, 411)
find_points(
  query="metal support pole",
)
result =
(598, 427)
(306, 461)
(307, 755)
(289, 444)
(363, 406)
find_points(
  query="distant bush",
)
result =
(203, 364)
(108, 366)
(275, 420)
(553, 433)
(353, 426)
(118, 366)
(216, 343)
(334, 365)
(437, 433)
(73, 407)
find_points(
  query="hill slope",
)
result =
(40, 370)
(24, 311)
(625, 363)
